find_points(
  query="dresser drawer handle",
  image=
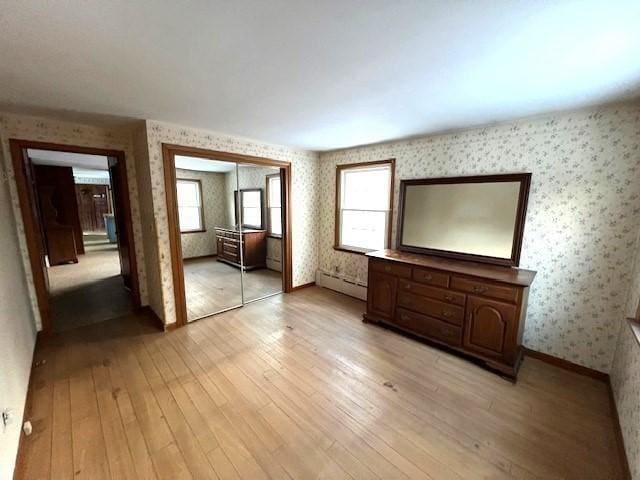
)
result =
(426, 276)
(404, 317)
(447, 314)
(479, 289)
(449, 298)
(407, 287)
(446, 333)
(387, 268)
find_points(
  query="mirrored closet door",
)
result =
(231, 233)
(210, 245)
(260, 220)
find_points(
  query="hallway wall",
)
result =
(18, 335)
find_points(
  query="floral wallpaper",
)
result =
(304, 166)
(625, 383)
(582, 219)
(214, 201)
(55, 131)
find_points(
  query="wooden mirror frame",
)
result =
(525, 182)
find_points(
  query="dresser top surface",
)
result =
(511, 275)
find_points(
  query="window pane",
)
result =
(275, 220)
(251, 199)
(189, 218)
(274, 191)
(363, 229)
(251, 216)
(188, 194)
(366, 188)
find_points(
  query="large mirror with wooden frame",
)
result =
(479, 218)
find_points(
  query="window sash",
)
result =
(348, 202)
(194, 203)
(275, 212)
(360, 248)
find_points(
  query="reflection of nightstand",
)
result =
(252, 242)
(61, 245)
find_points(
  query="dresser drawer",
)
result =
(479, 287)
(444, 311)
(434, 292)
(430, 277)
(429, 327)
(390, 268)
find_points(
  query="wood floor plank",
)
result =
(297, 387)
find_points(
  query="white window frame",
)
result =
(340, 170)
(270, 207)
(200, 207)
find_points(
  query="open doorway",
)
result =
(76, 211)
(229, 229)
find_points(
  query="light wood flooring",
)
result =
(296, 386)
(211, 286)
(89, 291)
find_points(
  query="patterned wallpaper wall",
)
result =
(55, 131)
(304, 166)
(582, 220)
(214, 203)
(625, 382)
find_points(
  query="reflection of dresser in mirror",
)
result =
(229, 241)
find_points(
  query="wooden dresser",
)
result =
(252, 242)
(470, 307)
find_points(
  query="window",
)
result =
(363, 206)
(190, 205)
(251, 205)
(274, 205)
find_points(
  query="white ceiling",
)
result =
(203, 165)
(319, 74)
(68, 159)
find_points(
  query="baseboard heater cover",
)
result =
(341, 284)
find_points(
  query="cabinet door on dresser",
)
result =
(491, 327)
(381, 296)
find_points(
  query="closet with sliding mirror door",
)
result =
(231, 231)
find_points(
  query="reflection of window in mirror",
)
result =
(251, 208)
(190, 214)
(274, 206)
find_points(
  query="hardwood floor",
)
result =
(89, 291)
(296, 386)
(212, 286)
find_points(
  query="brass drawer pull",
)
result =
(428, 277)
(449, 298)
(480, 289)
(446, 333)
(407, 286)
(447, 314)
(387, 268)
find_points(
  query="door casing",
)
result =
(27, 200)
(169, 151)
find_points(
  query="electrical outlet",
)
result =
(7, 418)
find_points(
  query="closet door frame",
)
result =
(169, 152)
